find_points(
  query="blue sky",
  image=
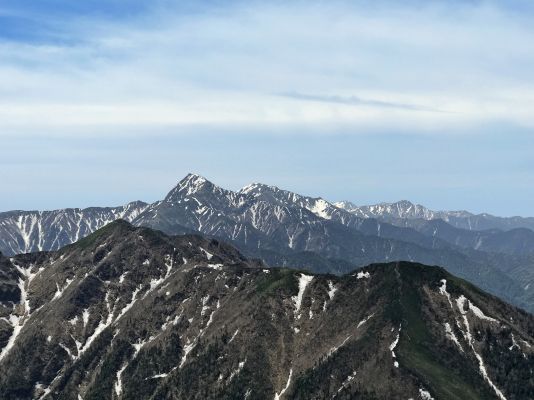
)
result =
(103, 102)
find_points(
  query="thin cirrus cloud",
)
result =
(357, 101)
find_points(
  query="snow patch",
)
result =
(140, 344)
(159, 376)
(174, 322)
(320, 208)
(336, 348)
(362, 275)
(121, 278)
(154, 283)
(392, 347)
(516, 345)
(118, 384)
(59, 292)
(233, 336)
(236, 371)
(462, 300)
(15, 320)
(346, 382)
(278, 396)
(425, 395)
(130, 304)
(102, 325)
(363, 321)
(191, 345)
(187, 349)
(304, 281)
(67, 350)
(443, 291)
(205, 307)
(85, 317)
(481, 366)
(331, 290)
(478, 312)
(206, 253)
(450, 335)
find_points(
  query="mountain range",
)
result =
(404, 209)
(131, 313)
(290, 230)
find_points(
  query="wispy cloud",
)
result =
(141, 92)
(414, 66)
(357, 101)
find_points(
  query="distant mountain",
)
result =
(402, 210)
(517, 241)
(265, 218)
(290, 230)
(130, 313)
(27, 231)
(458, 228)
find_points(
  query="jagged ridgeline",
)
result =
(290, 230)
(130, 313)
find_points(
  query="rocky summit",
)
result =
(131, 313)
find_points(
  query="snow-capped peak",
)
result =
(189, 185)
(192, 182)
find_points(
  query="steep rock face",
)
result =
(28, 231)
(131, 313)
